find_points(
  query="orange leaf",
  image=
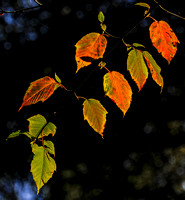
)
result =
(90, 47)
(118, 89)
(40, 90)
(164, 39)
(95, 114)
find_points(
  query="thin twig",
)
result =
(168, 10)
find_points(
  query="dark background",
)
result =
(142, 155)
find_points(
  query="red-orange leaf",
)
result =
(40, 90)
(90, 47)
(164, 39)
(118, 89)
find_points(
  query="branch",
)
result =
(2, 12)
(168, 11)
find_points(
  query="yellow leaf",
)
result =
(137, 67)
(95, 114)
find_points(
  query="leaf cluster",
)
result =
(91, 48)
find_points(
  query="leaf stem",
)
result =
(79, 97)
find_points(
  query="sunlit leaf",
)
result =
(101, 17)
(57, 78)
(38, 127)
(164, 39)
(42, 166)
(137, 67)
(90, 47)
(154, 69)
(18, 133)
(118, 89)
(137, 63)
(50, 147)
(95, 114)
(40, 90)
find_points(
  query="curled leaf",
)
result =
(90, 47)
(95, 114)
(118, 89)
(164, 39)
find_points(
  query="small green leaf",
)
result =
(103, 27)
(101, 17)
(42, 166)
(57, 78)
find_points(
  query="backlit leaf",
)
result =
(137, 63)
(118, 89)
(38, 127)
(164, 39)
(101, 17)
(95, 114)
(42, 166)
(154, 69)
(40, 90)
(90, 47)
(17, 133)
(137, 67)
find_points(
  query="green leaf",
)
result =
(101, 17)
(50, 147)
(50, 128)
(57, 78)
(38, 127)
(17, 133)
(42, 166)
(95, 114)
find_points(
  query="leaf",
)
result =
(90, 47)
(137, 67)
(95, 114)
(118, 89)
(42, 166)
(57, 78)
(145, 5)
(40, 90)
(101, 17)
(137, 63)
(164, 39)
(18, 133)
(154, 69)
(50, 147)
(38, 127)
